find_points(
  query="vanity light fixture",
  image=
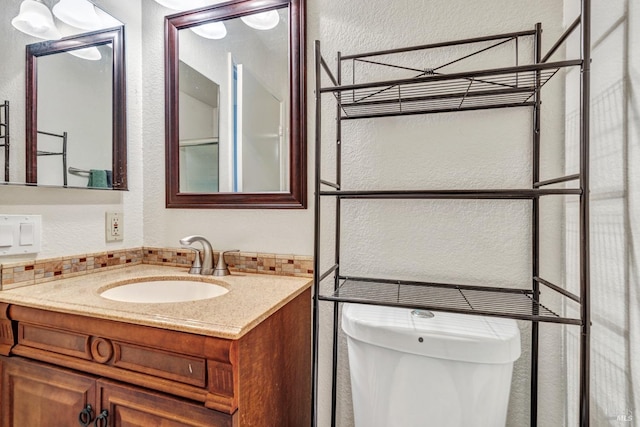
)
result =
(36, 20)
(77, 13)
(212, 30)
(262, 21)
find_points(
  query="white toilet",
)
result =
(409, 369)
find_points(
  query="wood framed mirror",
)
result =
(235, 106)
(84, 76)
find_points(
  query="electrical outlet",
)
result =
(114, 226)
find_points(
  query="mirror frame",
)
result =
(119, 118)
(296, 197)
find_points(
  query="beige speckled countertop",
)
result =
(251, 299)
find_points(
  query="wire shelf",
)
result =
(478, 300)
(491, 194)
(49, 153)
(497, 88)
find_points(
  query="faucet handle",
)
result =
(196, 267)
(221, 267)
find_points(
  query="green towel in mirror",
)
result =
(98, 178)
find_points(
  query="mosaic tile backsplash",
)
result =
(13, 275)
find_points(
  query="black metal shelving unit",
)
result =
(62, 153)
(431, 91)
(4, 136)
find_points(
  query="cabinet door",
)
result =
(33, 394)
(134, 407)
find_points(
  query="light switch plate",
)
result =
(20, 234)
(27, 234)
(6, 235)
(114, 226)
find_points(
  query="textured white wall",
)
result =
(615, 278)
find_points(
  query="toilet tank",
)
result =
(417, 368)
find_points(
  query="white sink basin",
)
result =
(164, 291)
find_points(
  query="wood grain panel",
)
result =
(275, 368)
(174, 341)
(189, 370)
(130, 407)
(223, 387)
(55, 340)
(7, 339)
(35, 394)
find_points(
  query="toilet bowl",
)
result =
(412, 369)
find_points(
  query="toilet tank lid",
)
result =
(450, 336)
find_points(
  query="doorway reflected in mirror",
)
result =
(199, 100)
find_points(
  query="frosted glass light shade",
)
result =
(213, 30)
(262, 21)
(36, 20)
(91, 53)
(183, 4)
(78, 13)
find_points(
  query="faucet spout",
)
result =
(207, 255)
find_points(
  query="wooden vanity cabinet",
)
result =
(37, 394)
(34, 394)
(142, 376)
(130, 407)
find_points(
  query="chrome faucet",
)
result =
(207, 257)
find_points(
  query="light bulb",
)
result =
(77, 13)
(263, 20)
(212, 30)
(36, 20)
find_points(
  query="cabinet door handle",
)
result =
(101, 420)
(85, 416)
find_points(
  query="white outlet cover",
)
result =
(114, 226)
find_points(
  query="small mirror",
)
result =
(235, 106)
(76, 130)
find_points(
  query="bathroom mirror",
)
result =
(235, 107)
(76, 121)
(68, 18)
